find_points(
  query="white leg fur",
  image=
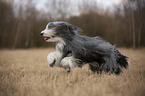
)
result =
(68, 63)
(54, 58)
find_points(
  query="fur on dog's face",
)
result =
(57, 31)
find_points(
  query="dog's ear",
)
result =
(73, 28)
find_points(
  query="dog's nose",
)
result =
(41, 34)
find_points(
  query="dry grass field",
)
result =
(26, 73)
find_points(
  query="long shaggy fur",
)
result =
(98, 53)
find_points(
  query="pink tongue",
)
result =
(45, 38)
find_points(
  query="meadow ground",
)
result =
(26, 73)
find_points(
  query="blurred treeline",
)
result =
(20, 26)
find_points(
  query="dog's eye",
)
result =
(52, 36)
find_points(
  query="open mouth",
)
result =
(46, 38)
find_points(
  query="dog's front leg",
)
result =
(68, 63)
(54, 58)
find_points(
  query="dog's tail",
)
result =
(121, 59)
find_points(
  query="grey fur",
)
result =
(98, 53)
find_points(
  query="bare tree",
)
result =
(6, 16)
(136, 9)
(19, 21)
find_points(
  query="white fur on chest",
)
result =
(60, 46)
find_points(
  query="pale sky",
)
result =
(40, 4)
(102, 4)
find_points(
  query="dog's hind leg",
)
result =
(94, 67)
(111, 65)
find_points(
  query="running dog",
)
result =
(75, 50)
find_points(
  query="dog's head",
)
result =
(57, 31)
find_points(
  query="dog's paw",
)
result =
(54, 58)
(67, 69)
(51, 65)
(51, 59)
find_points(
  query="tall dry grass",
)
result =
(26, 73)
